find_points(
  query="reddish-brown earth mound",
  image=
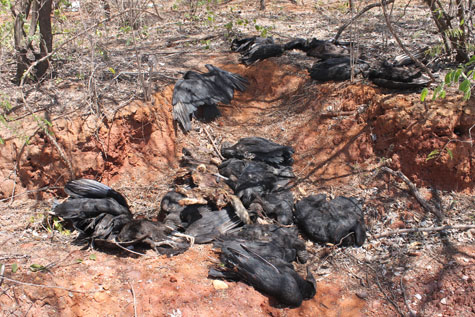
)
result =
(340, 132)
(336, 130)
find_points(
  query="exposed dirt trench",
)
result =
(337, 130)
(340, 132)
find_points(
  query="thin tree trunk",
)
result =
(46, 38)
(21, 46)
(40, 15)
(443, 22)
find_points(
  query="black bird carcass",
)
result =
(320, 49)
(158, 236)
(101, 214)
(95, 210)
(277, 279)
(269, 241)
(401, 73)
(204, 90)
(197, 220)
(337, 69)
(338, 221)
(259, 171)
(260, 149)
(256, 48)
(262, 255)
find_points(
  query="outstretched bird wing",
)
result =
(191, 93)
(229, 79)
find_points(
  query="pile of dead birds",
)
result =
(334, 61)
(245, 206)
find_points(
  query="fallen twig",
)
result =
(414, 192)
(213, 144)
(135, 300)
(406, 301)
(49, 286)
(61, 153)
(28, 192)
(2, 271)
(337, 114)
(363, 11)
(427, 229)
(399, 42)
(13, 256)
(17, 164)
(387, 297)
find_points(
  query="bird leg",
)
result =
(170, 243)
(188, 238)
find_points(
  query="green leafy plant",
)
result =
(437, 153)
(58, 226)
(207, 44)
(38, 268)
(464, 76)
(6, 26)
(263, 30)
(14, 268)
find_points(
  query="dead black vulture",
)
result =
(245, 44)
(205, 90)
(398, 77)
(89, 188)
(261, 52)
(259, 171)
(250, 179)
(197, 220)
(212, 224)
(259, 149)
(337, 221)
(337, 69)
(325, 49)
(158, 236)
(256, 48)
(278, 205)
(178, 215)
(319, 48)
(95, 210)
(269, 241)
(297, 44)
(277, 279)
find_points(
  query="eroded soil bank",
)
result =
(341, 132)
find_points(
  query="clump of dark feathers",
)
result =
(259, 174)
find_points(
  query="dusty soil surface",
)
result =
(342, 133)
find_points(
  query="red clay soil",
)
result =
(338, 130)
(334, 128)
(115, 286)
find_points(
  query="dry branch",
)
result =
(415, 192)
(399, 42)
(425, 229)
(61, 153)
(213, 144)
(392, 302)
(363, 11)
(62, 44)
(135, 299)
(2, 271)
(49, 286)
